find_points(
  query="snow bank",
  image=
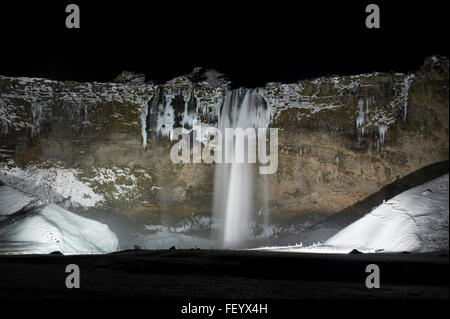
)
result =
(415, 221)
(49, 228)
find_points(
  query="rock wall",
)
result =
(106, 145)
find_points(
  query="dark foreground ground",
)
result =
(223, 274)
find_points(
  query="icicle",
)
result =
(382, 129)
(143, 117)
(166, 117)
(407, 82)
(3, 117)
(37, 115)
(360, 118)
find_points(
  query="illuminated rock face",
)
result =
(28, 227)
(106, 145)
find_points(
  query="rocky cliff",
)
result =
(106, 145)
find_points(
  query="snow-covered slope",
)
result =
(12, 200)
(49, 228)
(415, 221)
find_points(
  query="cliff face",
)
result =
(106, 145)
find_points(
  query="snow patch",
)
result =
(54, 184)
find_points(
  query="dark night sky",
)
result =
(252, 42)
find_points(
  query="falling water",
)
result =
(233, 190)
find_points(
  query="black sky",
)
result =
(252, 42)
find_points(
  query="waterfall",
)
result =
(234, 196)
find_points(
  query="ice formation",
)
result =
(405, 93)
